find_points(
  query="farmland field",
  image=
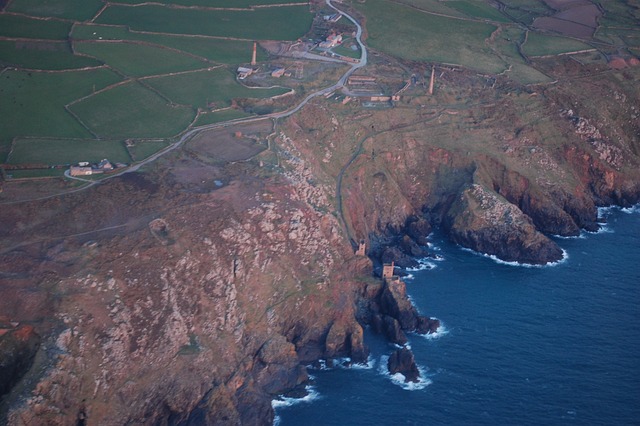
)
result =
(140, 60)
(142, 150)
(25, 27)
(202, 87)
(219, 116)
(215, 3)
(540, 44)
(132, 111)
(477, 9)
(400, 31)
(66, 151)
(215, 49)
(433, 6)
(274, 23)
(49, 55)
(80, 10)
(33, 102)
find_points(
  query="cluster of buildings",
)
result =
(85, 169)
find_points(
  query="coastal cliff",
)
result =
(195, 291)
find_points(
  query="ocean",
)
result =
(549, 345)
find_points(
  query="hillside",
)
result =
(195, 289)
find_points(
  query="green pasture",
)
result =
(140, 60)
(35, 173)
(403, 32)
(25, 27)
(202, 87)
(477, 9)
(213, 49)
(347, 51)
(527, 11)
(273, 23)
(619, 36)
(526, 74)
(5, 147)
(66, 151)
(215, 3)
(78, 10)
(219, 116)
(142, 150)
(620, 13)
(32, 103)
(49, 55)
(433, 6)
(132, 111)
(541, 44)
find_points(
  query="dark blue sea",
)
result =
(520, 346)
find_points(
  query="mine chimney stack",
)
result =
(253, 57)
(433, 76)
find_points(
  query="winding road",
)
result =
(189, 133)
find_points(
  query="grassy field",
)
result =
(32, 103)
(217, 50)
(401, 31)
(139, 60)
(348, 51)
(80, 10)
(219, 116)
(24, 27)
(541, 44)
(434, 6)
(202, 87)
(66, 151)
(478, 9)
(132, 111)
(36, 173)
(53, 55)
(5, 147)
(215, 3)
(142, 150)
(276, 23)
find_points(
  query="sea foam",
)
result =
(441, 331)
(285, 401)
(565, 257)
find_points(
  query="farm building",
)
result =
(332, 41)
(105, 165)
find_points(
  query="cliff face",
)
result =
(176, 305)
(192, 292)
(499, 171)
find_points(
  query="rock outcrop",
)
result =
(402, 361)
(18, 347)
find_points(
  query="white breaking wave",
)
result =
(423, 265)
(398, 378)
(565, 257)
(285, 401)
(342, 363)
(441, 331)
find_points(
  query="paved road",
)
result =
(189, 133)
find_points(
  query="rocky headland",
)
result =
(195, 290)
